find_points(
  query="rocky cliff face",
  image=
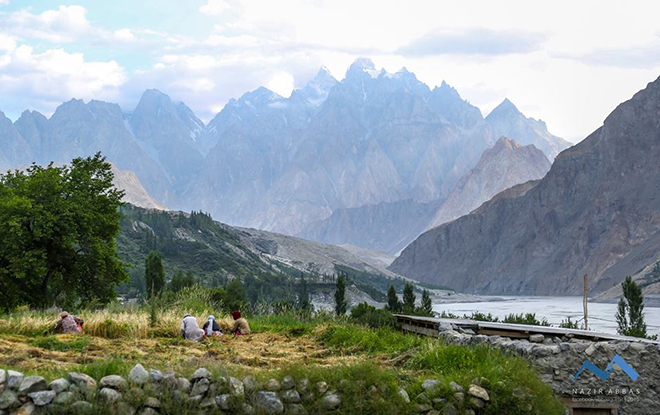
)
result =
(506, 120)
(168, 132)
(596, 209)
(14, 150)
(387, 227)
(390, 227)
(134, 192)
(376, 138)
(77, 129)
(505, 165)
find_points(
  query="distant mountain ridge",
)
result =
(277, 163)
(596, 212)
(390, 227)
(501, 167)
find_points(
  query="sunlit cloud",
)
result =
(214, 7)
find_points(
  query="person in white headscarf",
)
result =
(212, 328)
(190, 329)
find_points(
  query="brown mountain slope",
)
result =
(599, 203)
(506, 164)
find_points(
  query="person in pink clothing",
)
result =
(69, 324)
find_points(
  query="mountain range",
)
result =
(596, 212)
(276, 163)
(390, 227)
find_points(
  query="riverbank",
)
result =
(555, 309)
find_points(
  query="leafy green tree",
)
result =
(181, 280)
(408, 298)
(426, 308)
(235, 298)
(630, 310)
(340, 295)
(154, 274)
(58, 227)
(393, 303)
(303, 296)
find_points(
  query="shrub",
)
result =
(528, 318)
(370, 316)
(569, 324)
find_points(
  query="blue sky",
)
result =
(568, 63)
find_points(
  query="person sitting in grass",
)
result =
(212, 328)
(241, 325)
(190, 329)
(69, 324)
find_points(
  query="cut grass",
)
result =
(54, 343)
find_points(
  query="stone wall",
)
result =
(152, 392)
(558, 360)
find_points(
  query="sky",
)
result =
(568, 63)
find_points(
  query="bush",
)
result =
(528, 318)
(370, 316)
(569, 324)
(479, 316)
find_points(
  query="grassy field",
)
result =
(289, 344)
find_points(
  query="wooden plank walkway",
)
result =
(430, 326)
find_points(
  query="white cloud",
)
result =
(474, 41)
(43, 80)
(65, 24)
(123, 35)
(214, 7)
(282, 83)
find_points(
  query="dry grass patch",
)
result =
(261, 351)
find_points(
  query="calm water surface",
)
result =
(555, 309)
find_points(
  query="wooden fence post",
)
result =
(584, 301)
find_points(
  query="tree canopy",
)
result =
(630, 310)
(340, 295)
(409, 298)
(57, 234)
(154, 274)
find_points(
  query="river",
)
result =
(555, 309)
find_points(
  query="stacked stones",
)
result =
(146, 392)
(559, 358)
(429, 402)
(26, 395)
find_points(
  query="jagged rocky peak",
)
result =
(506, 119)
(446, 89)
(361, 67)
(153, 103)
(156, 112)
(74, 110)
(318, 88)
(505, 107)
(31, 116)
(260, 96)
(505, 143)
